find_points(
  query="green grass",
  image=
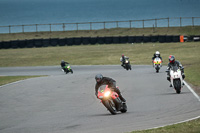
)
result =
(9, 79)
(186, 127)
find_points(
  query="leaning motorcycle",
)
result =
(127, 65)
(157, 64)
(67, 69)
(176, 78)
(111, 100)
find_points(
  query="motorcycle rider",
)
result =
(100, 80)
(63, 64)
(156, 54)
(173, 62)
(123, 59)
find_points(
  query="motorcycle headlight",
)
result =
(68, 67)
(107, 94)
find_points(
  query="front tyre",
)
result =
(110, 106)
(177, 86)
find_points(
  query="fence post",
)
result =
(63, 26)
(23, 28)
(77, 26)
(193, 21)
(90, 25)
(50, 27)
(143, 23)
(9, 29)
(36, 27)
(168, 22)
(180, 22)
(155, 22)
(130, 24)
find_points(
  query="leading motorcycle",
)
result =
(67, 68)
(111, 100)
(176, 78)
(157, 64)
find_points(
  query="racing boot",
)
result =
(122, 98)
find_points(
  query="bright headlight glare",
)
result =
(107, 94)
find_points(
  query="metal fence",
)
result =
(159, 22)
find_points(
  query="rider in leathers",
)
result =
(157, 54)
(173, 62)
(123, 59)
(100, 80)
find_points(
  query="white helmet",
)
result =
(157, 53)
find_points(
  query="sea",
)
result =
(32, 12)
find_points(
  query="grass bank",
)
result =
(187, 127)
(187, 31)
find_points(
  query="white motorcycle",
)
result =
(176, 78)
(157, 64)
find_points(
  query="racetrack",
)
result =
(62, 103)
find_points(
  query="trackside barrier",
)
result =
(95, 40)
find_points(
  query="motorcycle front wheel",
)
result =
(177, 86)
(110, 106)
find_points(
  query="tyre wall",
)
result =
(95, 40)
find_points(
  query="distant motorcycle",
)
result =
(67, 69)
(111, 100)
(127, 65)
(157, 64)
(176, 78)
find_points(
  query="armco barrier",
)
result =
(93, 40)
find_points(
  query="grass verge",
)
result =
(9, 79)
(186, 127)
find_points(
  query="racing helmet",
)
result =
(62, 61)
(98, 77)
(157, 53)
(171, 59)
(122, 55)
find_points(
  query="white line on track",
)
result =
(194, 93)
(175, 123)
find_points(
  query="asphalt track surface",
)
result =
(61, 103)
